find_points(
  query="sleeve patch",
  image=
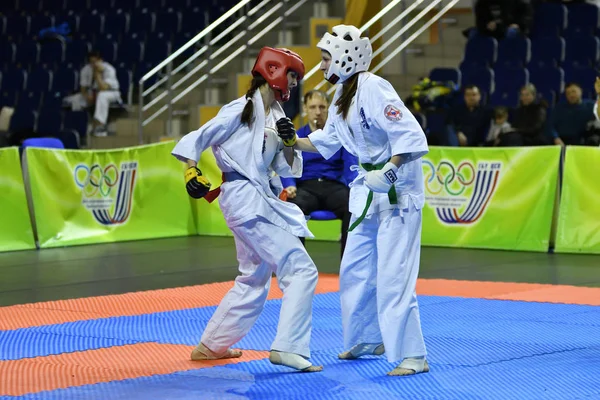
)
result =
(392, 113)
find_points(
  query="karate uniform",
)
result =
(265, 228)
(380, 265)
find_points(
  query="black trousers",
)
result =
(324, 195)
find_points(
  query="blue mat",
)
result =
(478, 349)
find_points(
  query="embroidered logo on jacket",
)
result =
(392, 113)
(363, 119)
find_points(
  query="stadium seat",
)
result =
(14, 79)
(515, 52)
(47, 142)
(65, 80)
(446, 74)
(582, 50)
(549, 20)
(40, 80)
(481, 51)
(77, 52)
(547, 51)
(52, 52)
(547, 79)
(582, 19)
(28, 53)
(30, 100)
(482, 77)
(322, 215)
(49, 122)
(77, 121)
(22, 120)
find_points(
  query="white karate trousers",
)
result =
(378, 278)
(103, 101)
(263, 248)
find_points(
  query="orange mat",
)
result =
(18, 377)
(61, 311)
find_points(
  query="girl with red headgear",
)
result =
(248, 150)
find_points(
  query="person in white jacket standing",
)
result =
(244, 140)
(378, 274)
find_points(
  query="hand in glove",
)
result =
(286, 131)
(196, 185)
(382, 180)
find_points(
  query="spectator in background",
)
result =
(99, 87)
(324, 183)
(468, 123)
(570, 119)
(499, 127)
(529, 120)
(502, 18)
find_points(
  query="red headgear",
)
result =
(273, 65)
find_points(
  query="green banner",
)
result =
(82, 197)
(15, 225)
(579, 213)
(495, 198)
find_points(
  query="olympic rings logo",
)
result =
(96, 179)
(446, 176)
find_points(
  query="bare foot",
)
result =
(202, 353)
(404, 370)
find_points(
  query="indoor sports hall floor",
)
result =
(118, 321)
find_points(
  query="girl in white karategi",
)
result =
(379, 269)
(248, 150)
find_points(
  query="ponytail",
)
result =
(348, 91)
(248, 112)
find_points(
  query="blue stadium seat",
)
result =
(549, 20)
(322, 215)
(192, 21)
(585, 76)
(71, 19)
(131, 50)
(17, 26)
(91, 23)
(77, 121)
(70, 139)
(49, 122)
(53, 6)
(30, 6)
(482, 77)
(582, 50)
(582, 19)
(505, 98)
(40, 80)
(547, 51)
(107, 47)
(116, 23)
(515, 52)
(169, 21)
(77, 52)
(2, 24)
(30, 100)
(8, 98)
(65, 80)
(125, 77)
(159, 49)
(52, 52)
(481, 50)
(53, 100)
(549, 95)
(142, 21)
(39, 22)
(152, 4)
(446, 74)
(28, 53)
(48, 143)
(102, 6)
(14, 79)
(127, 5)
(22, 119)
(8, 50)
(76, 5)
(547, 79)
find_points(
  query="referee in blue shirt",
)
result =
(324, 183)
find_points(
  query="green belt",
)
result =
(391, 194)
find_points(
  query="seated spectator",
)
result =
(529, 121)
(570, 120)
(99, 88)
(324, 183)
(468, 123)
(502, 18)
(499, 127)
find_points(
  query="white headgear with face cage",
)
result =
(349, 52)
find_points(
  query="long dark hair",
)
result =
(348, 91)
(248, 112)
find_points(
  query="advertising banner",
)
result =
(100, 196)
(494, 198)
(16, 232)
(579, 214)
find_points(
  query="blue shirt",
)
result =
(337, 168)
